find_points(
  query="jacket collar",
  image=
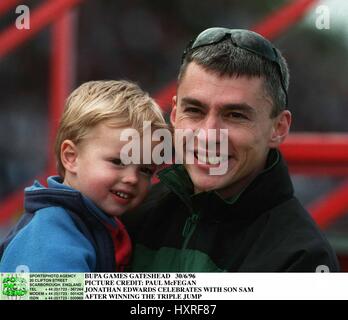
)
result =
(270, 188)
(59, 195)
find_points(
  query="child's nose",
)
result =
(130, 175)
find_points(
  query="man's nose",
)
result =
(130, 175)
(211, 127)
(212, 121)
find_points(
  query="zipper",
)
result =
(189, 228)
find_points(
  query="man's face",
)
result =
(205, 101)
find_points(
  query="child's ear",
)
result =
(68, 155)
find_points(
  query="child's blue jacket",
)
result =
(61, 231)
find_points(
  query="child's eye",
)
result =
(117, 162)
(147, 171)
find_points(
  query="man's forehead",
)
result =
(196, 76)
(209, 88)
(228, 106)
(225, 104)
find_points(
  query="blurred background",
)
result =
(73, 41)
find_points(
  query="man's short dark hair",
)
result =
(225, 59)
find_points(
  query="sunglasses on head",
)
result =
(244, 39)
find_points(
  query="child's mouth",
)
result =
(122, 197)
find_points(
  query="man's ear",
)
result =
(173, 112)
(68, 155)
(280, 129)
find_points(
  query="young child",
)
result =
(72, 225)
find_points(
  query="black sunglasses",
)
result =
(244, 39)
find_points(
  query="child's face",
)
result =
(100, 175)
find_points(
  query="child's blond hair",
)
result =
(122, 102)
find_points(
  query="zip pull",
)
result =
(189, 223)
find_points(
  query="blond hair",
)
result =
(122, 102)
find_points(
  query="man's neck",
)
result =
(238, 187)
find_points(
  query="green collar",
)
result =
(272, 160)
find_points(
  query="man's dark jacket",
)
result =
(263, 229)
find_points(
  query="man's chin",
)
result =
(204, 181)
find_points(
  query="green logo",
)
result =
(14, 286)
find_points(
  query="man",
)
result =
(246, 219)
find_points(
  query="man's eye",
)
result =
(193, 110)
(237, 115)
(117, 162)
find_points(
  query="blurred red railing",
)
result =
(7, 5)
(59, 16)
